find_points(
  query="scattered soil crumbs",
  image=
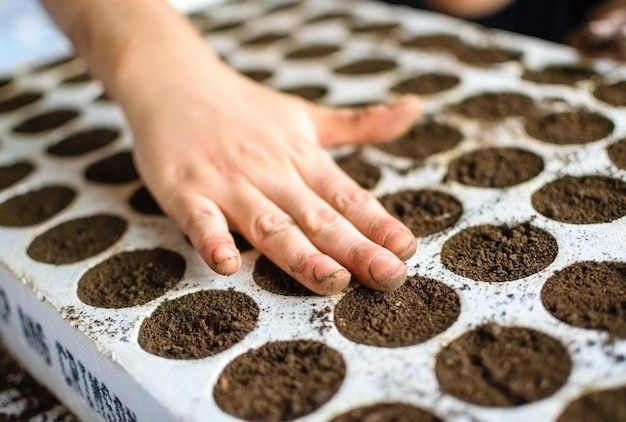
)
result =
(36, 206)
(499, 253)
(613, 94)
(425, 211)
(387, 412)
(367, 67)
(582, 200)
(570, 127)
(605, 406)
(19, 100)
(320, 319)
(502, 366)
(46, 121)
(589, 295)
(314, 51)
(426, 84)
(116, 169)
(496, 105)
(280, 381)
(559, 74)
(495, 167)
(131, 278)
(77, 239)
(198, 325)
(416, 312)
(270, 277)
(617, 153)
(12, 173)
(83, 142)
(365, 174)
(144, 203)
(424, 140)
(308, 92)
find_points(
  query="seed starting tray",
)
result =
(90, 356)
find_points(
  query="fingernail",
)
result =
(401, 243)
(326, 268)
(226, 259)
(388, 271)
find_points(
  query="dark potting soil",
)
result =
(416, 312)
(423, 140)
(280, 381)
(36, 206)
(199, 324)
(82, 142)
(589, 295)
(495, 105)
(77, 239)
(604, 405)
(19, 100)
(367, 67)
(500, 366)
(379, 29)
(264, 39)
(313, 51)
(559, 74)
(131, 278)
(115, 169)
(426, 84)
(270, 277)
(582, 200)
(365, 174)
(617, 153)
(12, 173)
(446, 42)
(308, 92)
(257, 74)
(45, 121)
(495, 167)
(281, 7)
(613, 94)
(499, 253)
(77, 79)
(143, 202)
(387, 412)
(329, 16)
(570, 127)
(425, 211)
(486, 56)
(241, 242)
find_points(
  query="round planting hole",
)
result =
(424, 140)
(365, 174)
(45, 121)
(12, 173)
(426, 84)
(569, 127)
(82, 142)
(270, 277)
(387, 412)
(36, 206)
(496, 105)
(114, 170)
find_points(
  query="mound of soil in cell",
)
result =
(199, 324)
(314, 51)
(366, 67)
(270, 277)
(365, 174)
(589, 295)
(613, 94)
(113, 170)
(27, 399)
(36, 206)
(426, 84)
(77, 79)
(329, 16)
(131, 278)
(280, 381)
(582, 200)
(45, 121)
(559, 74)
(12, 173)
(495, 105)
(77, 239)
(308, 92)
(425, 211)
(416, 312)
(265, 39)
(569, 127)
(617, 153)
(604, 405)
(82, 142)
(423, 140)
(259, 75)
(499, 253)
(383, 412)
(502, 366)
(447, 42)
(19, 100)
(223, 26)
(495, 167)
(142, 202)
(485, 56)
(379, 29)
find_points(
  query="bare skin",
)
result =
(218, 151)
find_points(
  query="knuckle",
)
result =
(346, 199)
(358, 253)
(268, 224)
(318, 220)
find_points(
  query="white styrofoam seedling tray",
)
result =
(90, 357)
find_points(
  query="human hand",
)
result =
(217, 150)
(604, 35)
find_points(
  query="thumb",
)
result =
(376, 123)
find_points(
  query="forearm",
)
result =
(469, 9)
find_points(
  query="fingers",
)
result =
(275, 234)
(208, 231)
(376, 123)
